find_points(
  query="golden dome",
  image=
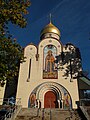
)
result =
(50, 28)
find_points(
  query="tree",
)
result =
(14, 11)
(11, 53)
(70, 61)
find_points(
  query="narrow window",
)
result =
(29, 70)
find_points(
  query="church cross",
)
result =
(50, 17)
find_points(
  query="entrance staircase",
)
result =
(47, 114)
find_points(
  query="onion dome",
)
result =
(50, 28)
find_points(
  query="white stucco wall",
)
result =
(2, 90)
(36, 73)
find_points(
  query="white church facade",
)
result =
(40, 83)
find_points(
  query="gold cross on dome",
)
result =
(50, 17)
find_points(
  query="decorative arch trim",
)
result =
(61, 93)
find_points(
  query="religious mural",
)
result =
(49, 71)
(67, 101)
(65, 98)
(32, 100)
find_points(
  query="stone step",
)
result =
(45, 114)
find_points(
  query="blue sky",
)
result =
(72, 17)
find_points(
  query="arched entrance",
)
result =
(50, 94)
(50, 100)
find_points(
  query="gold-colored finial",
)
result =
(50, 17)
(50, 28)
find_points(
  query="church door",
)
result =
(50, 100)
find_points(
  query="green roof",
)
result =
(86, 80)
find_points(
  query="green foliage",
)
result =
(11, 53)
(71, 59)
(14, 11)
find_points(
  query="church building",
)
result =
(44, 82)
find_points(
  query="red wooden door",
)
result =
(50, 100)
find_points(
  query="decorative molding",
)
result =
(50, 41)
(31, 48)
(37, 56)
(41, 46)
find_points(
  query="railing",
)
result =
(43, 114)
(84, 103)
(11, 109)
(77, 117)
(71, 115)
